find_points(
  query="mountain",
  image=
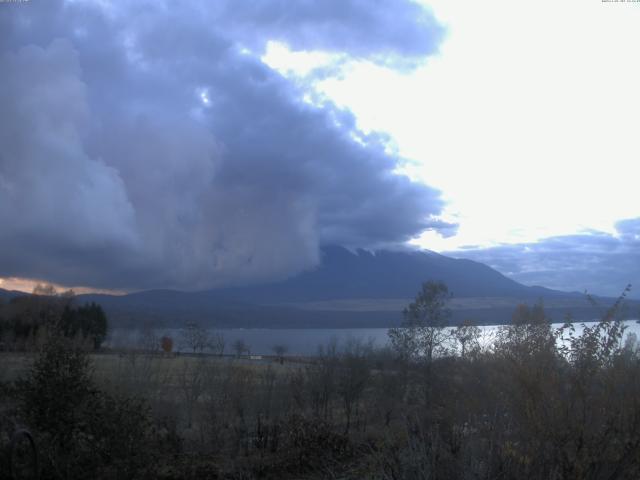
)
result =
(7, 295)
(347, 289)
(344, 274)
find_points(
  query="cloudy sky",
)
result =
(194, 144)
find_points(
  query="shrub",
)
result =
(83, 432)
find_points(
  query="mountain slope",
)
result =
(347, 289)
(9, 294)
(386, 274)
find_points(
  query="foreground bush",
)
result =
(82, 432)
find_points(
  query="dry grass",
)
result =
(138, 370)
(14, 365)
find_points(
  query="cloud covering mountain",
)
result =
(146, 145)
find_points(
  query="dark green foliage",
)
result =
(82, 432)
(58, 386)
(121, 433)
(88, 321)
(24, 318)
(26, 321)
(430, 306)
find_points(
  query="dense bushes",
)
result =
(87, 321)
(82, 431)
(539, 403)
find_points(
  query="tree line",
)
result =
(27, 321)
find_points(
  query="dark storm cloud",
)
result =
(141, 147)
(598, 262)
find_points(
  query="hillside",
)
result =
(348, 289)
(344, 274)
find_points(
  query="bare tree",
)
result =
(321, 379)
(45, 289)
(140, 374)
(280, 351)
(192, 381)
(194, 337)
(148, 340)
(423, 332)
(353, 377)
(166, 343)
(217, 343)
(468, 336)
(240, 347)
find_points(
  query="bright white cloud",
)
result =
(526, 119)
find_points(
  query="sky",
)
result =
(192, 145)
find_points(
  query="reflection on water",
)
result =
(299, 341)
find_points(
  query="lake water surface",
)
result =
(298, 341)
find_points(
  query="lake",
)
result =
(298, 341)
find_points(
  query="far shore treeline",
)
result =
(26, 321)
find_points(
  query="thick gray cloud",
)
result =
(385, 31)
(597, 262)
(141, 146)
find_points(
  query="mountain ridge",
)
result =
(349, 288)
(384, 274)
(325, 295)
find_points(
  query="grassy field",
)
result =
(204, 400)
(13, 365)
(117, 367)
